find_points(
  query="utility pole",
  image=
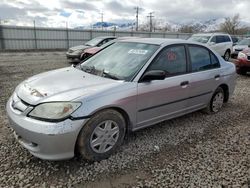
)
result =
(102, 19)
(67, 35)
(150, 21)
(137, 12)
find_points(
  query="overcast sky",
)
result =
(86, 12)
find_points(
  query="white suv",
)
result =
(220, 42)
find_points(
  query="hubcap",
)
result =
(104, 136)
(217, 102)
(227, 56)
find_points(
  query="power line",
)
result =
(150, 21)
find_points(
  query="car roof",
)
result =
(159, 41)
(210, 34)
(106, 37)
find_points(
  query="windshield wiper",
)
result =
(108, 75)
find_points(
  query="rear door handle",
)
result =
(185, 83)
(217, 76)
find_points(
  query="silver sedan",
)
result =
(127, 86)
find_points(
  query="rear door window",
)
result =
(202, 59)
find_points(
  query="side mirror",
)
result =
(153, 75)
(211, 43)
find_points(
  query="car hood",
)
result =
(64, 84)
(246, 51)
(240, 47)
(80, 47)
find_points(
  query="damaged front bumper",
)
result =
(45, 140)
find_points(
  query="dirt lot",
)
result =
(196, 150)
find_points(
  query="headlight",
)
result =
(54, 110)
(242, 56)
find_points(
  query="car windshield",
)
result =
(200, 38)
(93, 42)
(108, 43)
(244, 42)
(120, 61)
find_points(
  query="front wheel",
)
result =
(216, 101)
(102, 135)
(227, 55)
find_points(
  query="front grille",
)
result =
(18, 104)
(238, 50)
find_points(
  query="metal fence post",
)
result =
(67, 35)
(35, 39)
(2, 44)
(114, 30)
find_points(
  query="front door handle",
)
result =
(185, 83)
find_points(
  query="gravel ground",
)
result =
(195, 150)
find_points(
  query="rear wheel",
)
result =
(216, 101)
(102, 135)
(227, 55)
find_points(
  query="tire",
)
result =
(227, 55)
(218, 97)
(99, 138)
(241, 71)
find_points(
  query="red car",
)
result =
(89, 52)
(243, 62)
(92, 51)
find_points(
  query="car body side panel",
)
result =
(159, 99)
(123, 98)
(201, 87)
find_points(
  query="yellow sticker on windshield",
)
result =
(137, 51)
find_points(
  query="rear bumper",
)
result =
(45, 140)
(240, 63)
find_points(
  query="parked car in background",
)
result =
(244, 43)
(235, 40)
(127, 86)
(92, 51)
(220, 42)
(74, 53)
(243, 61)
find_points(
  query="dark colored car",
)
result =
(74, 53)
(243, 61)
